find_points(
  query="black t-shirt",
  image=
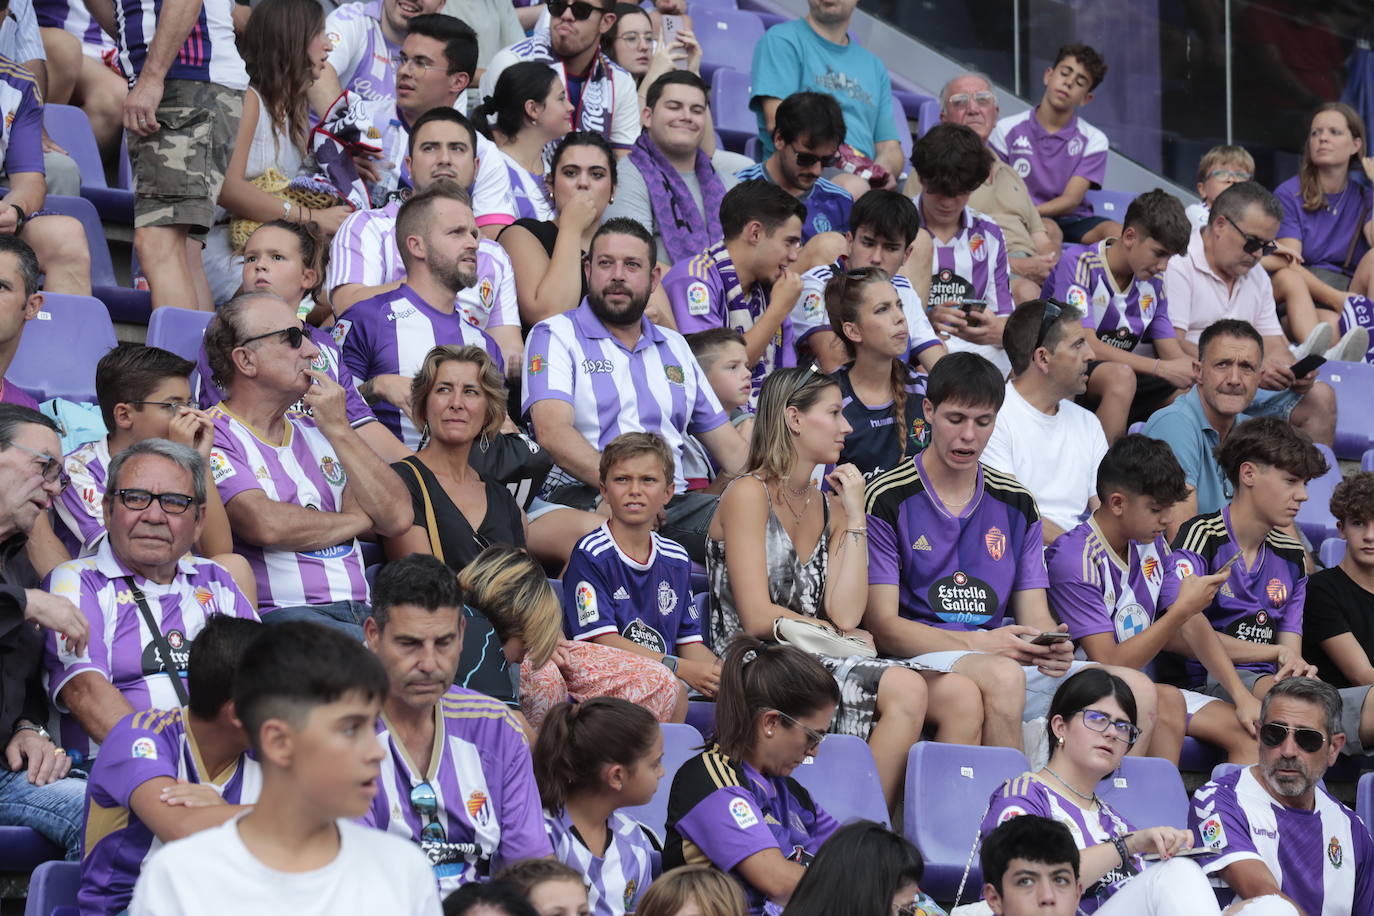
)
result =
(1335, 605)
(875, 444)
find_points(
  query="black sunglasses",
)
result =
(807, 160)
(293, 336)
(1308, 739)
(1053, 309)
(138, 500)
(580, 9)
(1254, 243)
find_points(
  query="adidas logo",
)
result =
(1021, 143)
(621, 594)
(921, 543)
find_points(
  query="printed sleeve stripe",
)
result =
(719, 768)
(1197, 537)
(904, 474)
(1004, 482)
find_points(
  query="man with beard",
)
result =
(604, 369)
(467, 796)
(386, 337)
(1276, 830)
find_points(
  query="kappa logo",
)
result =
(1277, 592)
(1021, 143)
(921, 543)
(996, 542)
(621, 594)
(402, 314)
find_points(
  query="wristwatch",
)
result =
(25, 725)
(670, 662)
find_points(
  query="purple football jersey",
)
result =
(1095, 591)
(616, 880)
(1128, 319)
(1046, 161)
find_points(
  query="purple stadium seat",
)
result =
(947, 792)
(1198, 757)
(1331, 552)
(124, 304)
(71, 129)
(727, 38)
(696, 6)
(699, 583)
(701, 715)
(1314, 518)
(735, 121)
(1354, 406)
(178, 330)
(1364, 801)
(1109, 204)
(680, 744)
(1136, 426)
(1148, 792)
(903, 121)
(1223, 768)
(52, 885)
(22, 849)
(60, 347)
(929, 117)
(843, 779)
(1367, 461)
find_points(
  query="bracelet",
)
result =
(863, 531)
(1120, 843)
(23, 217)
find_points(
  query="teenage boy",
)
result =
(970, 291)
(308, 697)
(1338, 618)
(1030, 868)
(641, 606)
(955, 547)
(1060, 155)
(884, 227)
(1105, 579)
(1118, 284)
(166, 774)
(746, 281)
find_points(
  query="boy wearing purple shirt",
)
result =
(1059, 156)
(165, 774)
(746, 281)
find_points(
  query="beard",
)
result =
(455, 273)
(624, 316)
(1288, 786)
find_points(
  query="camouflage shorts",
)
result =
(179, 170)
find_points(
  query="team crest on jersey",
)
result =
(332, 470)
(977, 246)
(1150, 567)
(537, 364)
(1277, 592)
(698, 299)
(1076, 146)
(919, 429)
(220, 468)
(320, 363)
(203, 596)
(1334, 853)
(1183, 569)
(341, 330)
(821, 223)
(485, 291)
(477, 807)
(584, 598)
(674, 374)
(9, 119)
(1212, 832)
(143, 749)
(667, 598)
(630, 887)
(1078, 297)
(1146, 303)
(996, 542)
(1009, 812)
(373, 133)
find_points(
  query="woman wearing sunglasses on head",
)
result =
(1091, 726)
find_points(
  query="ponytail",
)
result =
(899, 381)
(843, 297)
(755, 677)
(577, 740)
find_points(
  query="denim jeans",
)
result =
(54, 810)
(347, 616)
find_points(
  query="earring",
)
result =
(770, 733)
(1061, 741)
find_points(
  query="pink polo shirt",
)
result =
(1198, 296)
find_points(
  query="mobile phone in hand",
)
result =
(1307, 364)
(1048, 638)
(973, 305)
(671, 26)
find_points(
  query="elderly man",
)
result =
(143, 593)
(1276, 830)
(299, 489)
(968, 99)
(32, 790)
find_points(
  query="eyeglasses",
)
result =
(580, 9)
(1254, 243)
(960, 100)
(1232, 174)
(53, 471)
(293, 336)
(1053, 309)
(808, 160)
(1099, 722)
(813, 737)
(426, 804)
(636, 38)
(1308, 739)
(423, 64)
(138, 500)
(172, 407)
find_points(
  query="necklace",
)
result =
(1090, 799)
(783, 490)
(798, 493)
(964, 502)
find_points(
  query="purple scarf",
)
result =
(684, 231)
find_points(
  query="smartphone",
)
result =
(1190, 851)
(973, 305)
(671, 26)
(1050, 638)
(1227, 565)
(1307, 364)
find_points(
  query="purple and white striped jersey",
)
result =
(1046, 161)
(972, 265)
(810, 314)
(81, 506)
(616, 880)
(1095, 591)
(208, 55)
(73, 17)
(21, 133)
(1322, 859)
(364, 252)
(390, 333)
(143, 746)
(658, 387)
(481, 774)
(1129, 319)
(362, 55)
(531, 194)
(1027, 795)
(121, 648)
(303, 471)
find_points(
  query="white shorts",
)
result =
(1194, 701)
(1040, 687)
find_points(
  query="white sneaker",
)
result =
(1317, 341)
(1352, 347)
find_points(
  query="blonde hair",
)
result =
(510, 589)
(1224, 154)
(772, 453)
(1312, 197)
(714, 892)
(488, 377)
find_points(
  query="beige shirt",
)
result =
(1005, 199)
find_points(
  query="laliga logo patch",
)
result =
(1078, 297)
(996, 542)
(144, 749)
(341, 330)
(1183, 569)
(743, 815)
(977, 247)
(1334, 854)
(1277, 592)
(698, 299)
(1008, 813)
(1212, 832)
(812, 306)
(584, 598)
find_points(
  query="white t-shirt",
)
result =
(1054, 457)
(212, 873)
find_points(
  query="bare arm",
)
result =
(258, 519)
(103, 12)
(1049, 531)
(769, 106)
(848, 574)
(540, 296)
(95, 702)
(1185, 509)
(1252, 878)
(174, 23)
(507, 337)
(889, 154)
(1322, 292)
(172, 822)
(898, 637)
(1350, 657)
(554, 430)
(28, 190)
(727, 446)
(324, 90)
(772, 874)
(1068, 201)
(383, 442)
(416, 540)
(826, 347)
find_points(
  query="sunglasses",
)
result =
(1254, 243)
(52, 467)
(813, 737)
(580, 9)
(426, 804)
(138, 500)
(293, 336)
(1053, 309)
(1307, 739)
(1100, 722)
(809, 160)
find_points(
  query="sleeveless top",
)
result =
(793, 584)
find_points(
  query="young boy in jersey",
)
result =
(1105, 579)
(1218, 169)
(1030, 868)
(746, 281)
(612, 596)
(308, 697)
(1059, 155)
(1118, 285)
(883, 230)
(165, 774)
(1258, 613)
(723, 358)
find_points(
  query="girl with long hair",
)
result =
(864, 869)
(528, 110)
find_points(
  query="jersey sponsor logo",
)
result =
(333, 471)
(593, 366)
(1009, 812)
(1130, 620)
(402, 314)
(329, 553)
(341, 330)
(584, 599)
(538, 364)
(1022, 167)
(621, 594)
(641, 634)
(961, 598)
(220, 468)
(1333, 853)
(477, 806)
(486, 292)
(698, 299)
(1076, 146)
(151, 661)
(1277, 592)
(1257, 627)
(674, 374)
(1077, 297)
(743, 814)
(143, 749)
(1212, 833)
(1123, 338)
(996, 542)
(947, 286)
(977, 247)
(813, 307)
(1183, 569)
(667, 598)
(1021, 142)
(920, 543)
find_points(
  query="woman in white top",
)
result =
(285, 49)
(528, 111)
